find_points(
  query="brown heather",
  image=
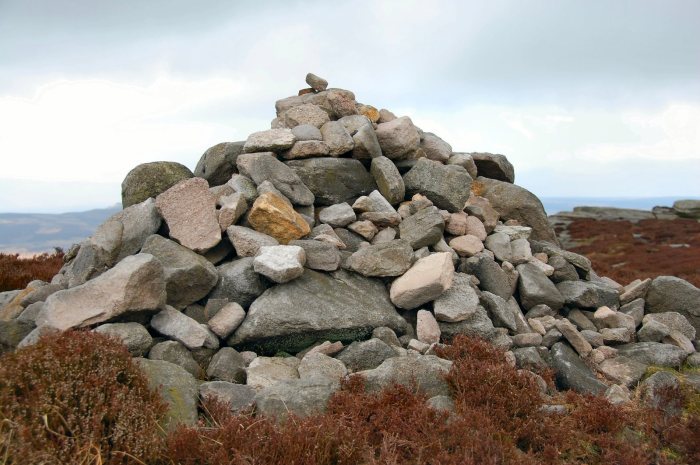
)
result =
(16, 272)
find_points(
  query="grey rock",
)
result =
(424, 228)
(575, 338)
(491, 276)
(635, 309)
(133, 335)
(218, 163)
(426, 371)
(280, 263)
(321, 256)
(317, 83)
(177, 387)
(447, 186)
(478, 324)
(528, 358)
(316, 307)
(318, 365)
(398, 138)
(687, 208)
(499, 311)
(521, 252)
(338, 215)
(31, 312)
(465, 160)
(272, 140)
(382, 260)
(188, 276)
(150, 179)
(674, 321)
(244, 186)
(175, 352)
(307, 113)
(563, 270)
(247, 242)
(388, 179)
(499, 244)
(13, 332)
(351, 240)
(671, 294)
(653, 331)
(572, 373)
(365, 355)
(333, 180)
(435, 148)
(655, 389)
(366, 143)
(494, 166)
(238, 396)
(653, 353)
(337, 138)
(516, 203)
(586, 294)
(623, 370)
(299, 397)
(527, 340)
(265, 167)
(352, 123)
(535, 288)
(581, 321)
(232, 208)
(227, 365)
(176, 325)
(39, 294)
(457, 303)
(387, 335)
(267, 371)
(306, 132)
(238, 282)
(635, 290)
(136, 284)
(442, 403)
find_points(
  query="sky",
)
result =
(586, 98)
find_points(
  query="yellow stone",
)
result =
(12, 309)
(272, 215)
(369, 111)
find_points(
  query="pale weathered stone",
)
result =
(307, 113)
(467, 245)
(226, 320)
(247, 242)
(267, 371)
(175, 324)
(280, 263)
(232, 208)
(338, 215)
(398, 137)
(427, 328)
(577, 341)
(425, 281)
(272, 140)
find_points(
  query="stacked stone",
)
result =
(345, 240)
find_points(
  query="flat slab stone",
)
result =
(272, 140)
(572, 373)
(184, 329)
(382, 260)
(425, 281)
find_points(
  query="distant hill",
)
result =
(41, 232)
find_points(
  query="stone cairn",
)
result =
(346, 240)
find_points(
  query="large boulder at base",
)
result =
(516, 203)
(176, 386)
(572, 373)
(334, 180)
(237, 396)
(587, 294)
(687, 208)
(300, 397)
(265, 166)
(218, 163)
(150, 179)
(653, 353)
(426, 372)
(316, 307)
(136, 284)
(494, 166)
(671, 294)
(188, 276)
(238, 282)
(447, 186)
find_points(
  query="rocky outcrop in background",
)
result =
(345, 240)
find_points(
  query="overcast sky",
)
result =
(586, 98)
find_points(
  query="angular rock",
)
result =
(227, 365)
(687, 208)
(423, 228)
(306, 132)
(671, 294)
(447, 186)
(136, 284)
(352, 123)
(272, 140)
(232, 208)
(492, 278)
(653, 353)
(151, 179)
(535, 288)
(467, 245)
(321, 256)
(244, 186)
(13, 332)
(238, 396)
(572, 373)
(248, 242)
(425, 281)
(337, 216)
(299, 397)
(382, 260)
(655, 389)
(426, 371)
(184, 329)
(364, 228)
(318, 365)
(623, 370)
(238, 282)
(427, 328)
(366, 143)
(435, 148)
(398, 138)
(577, 341)
(388, 179)
(674, 321)
(268, 371)
(218, 163)
(280, 263)
(133, 335)
(271, 215)
(586, 294)
(307, 113)
(499, 311)
(634, 290)
(339, 306)
(494, 166)
(226, 320)
(333, 180)
(188, 276)
(175, 352)
(336, 138)
(365, 355)
(457, 303)
(478, 324)
(265, 167)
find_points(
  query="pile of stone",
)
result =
(345, 240)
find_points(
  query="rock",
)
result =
(499, 311)
(333, 180)
(494, 166)
(268, 371)
(382, 260)
(679, 339)
(189, 210)
(536, 288)
(299, 397)
(318, 365)
(176, 325)
(457, 224)
(151, 179)
(175, 352)
(226, 320)
(458, 302)
(671, 294)
(475, 227)
(388, 179)
(265, 167)
(585, 294)
(366, 143)
(238, 282)
(516, 203)
(656, 392)
(342, 103)
(426, 371)
(238, 396)
(39, 294)
(622, 370)
(482, 209)
(336, 138)
(634, 290)
(386, 335)
(398, 138)
(572, 373)
(337, 216)
(349, 239)
(687, 208)
(635, 309)
(528, 358)
(521, 252)
(467, 245)
(499, 244)
(133, 335)
(280, 263)
(339, 306)
(425, 281)
(316, 83)
(581, 321)
(435, 148)
(427, 328)
(604, 317)
(272, 140)
(227, 365)
(177, 388)
(244, 186)
(492, 278)
(13, 332)
(577, 341)
(527, 340)
(188, 276)
(447, 186)
(307, 113)
(232, 209)
(321, 256)
(465, 160)
(248, 242)
(478, 324)
(653, 353)
(617, 395)
(306, 132)
(218, 163)
(364, 228)
(352, 123)
(271, 215)
(423, 228)
(365, 355)
(326, 348)
(369, 111)
(136, 284)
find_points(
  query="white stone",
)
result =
(425, 281)
(226, 320)
(280, 263)
(267, 371)
(176, 325)
(337, 216)
(427, 328)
